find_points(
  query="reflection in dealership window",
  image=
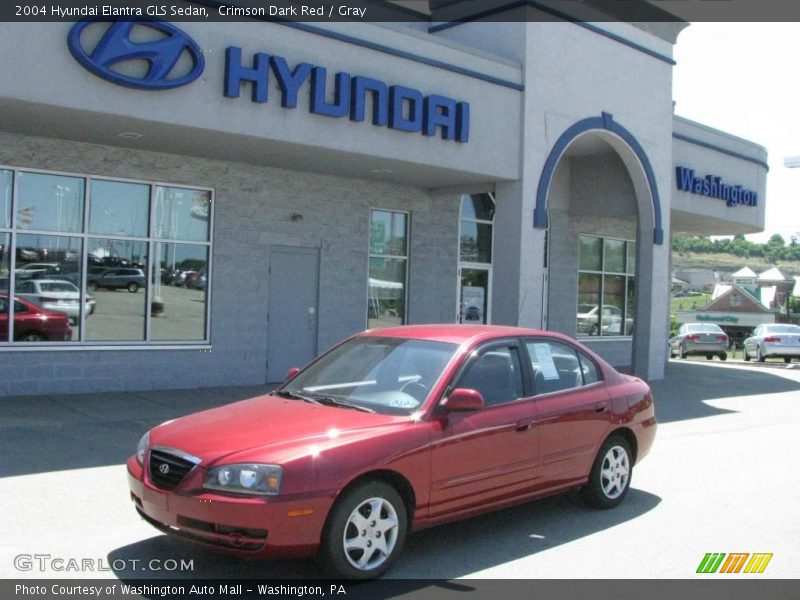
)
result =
(181, 284)
(475, 257)
(606, 298)
(388, 263)
(83, 248)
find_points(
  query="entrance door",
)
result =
(474, 285)
(292, 316)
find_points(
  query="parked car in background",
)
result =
(32, 270)
(33, 323)
(589, 321)
(706, 339)
(392, 430)
(773, 340)
(180, 278)
(56, 295)
(122, 278)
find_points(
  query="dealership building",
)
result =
(212, 203)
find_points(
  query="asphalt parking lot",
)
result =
(722, 477)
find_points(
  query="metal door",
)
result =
(292, 316)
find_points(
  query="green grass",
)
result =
(688, 303)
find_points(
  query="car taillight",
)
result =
(692, 338)
(722, 338)
(772, 340)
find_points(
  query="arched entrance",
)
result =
(598, 199)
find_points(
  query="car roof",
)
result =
(457, 334)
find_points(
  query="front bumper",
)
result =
(246, 526)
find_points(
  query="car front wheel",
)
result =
(133, 287)
(365, 532)
(611, 473)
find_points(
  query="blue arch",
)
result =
(604, 122)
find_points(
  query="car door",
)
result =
(572, 406)
(489, 455)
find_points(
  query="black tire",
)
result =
(746, 355)
(684, 354)
(709, 357)
(787, 359)
(31, 337)
(723, 356)
(92, 286)
(356, 504)
(759, 356)
(133, 287)
(608, 484)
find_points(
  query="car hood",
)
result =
(266, 428)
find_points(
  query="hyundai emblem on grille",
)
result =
(164, 468)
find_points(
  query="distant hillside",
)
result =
(729, 255)
(729, 263)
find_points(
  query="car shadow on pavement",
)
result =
(57, 432)
(682, 393)
(444, 552)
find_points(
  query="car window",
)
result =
(3, 306)
(496, 373)
(61, 286)
(19, 308)
(26, 287)
(772, 329)
(556, 366)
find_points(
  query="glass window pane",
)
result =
(477, 206)
(116, 280)
(496, 374)
(48, 280)
(387, 233)
(555, 366)
(588, 304)
(4, 266)
(182, 214)
(50, 202)
(613, 305)
(630, 306)
(6, 181)
(591, 251)
(589, 369)
(386, 292)
(180, 292)
(474, 295)
(614, 255)
(476, 242)
(631, 258)
(117, 208)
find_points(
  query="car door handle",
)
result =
(601, 408)
(525, 426)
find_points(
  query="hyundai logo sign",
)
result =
(113, 57)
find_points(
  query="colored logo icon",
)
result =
(170, 57)
(736, 562)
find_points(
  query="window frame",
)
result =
(629, 278)
(84, 236)
(406, 258)
(579, 353)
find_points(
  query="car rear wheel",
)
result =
(709, 357)
(787, 359)
(365, 532)
(759, 355)
(723, 356)
(133, 287)
(684, 354)
(746, 355)
(610, 477)
(31, 337)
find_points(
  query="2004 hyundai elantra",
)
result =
(392, 430)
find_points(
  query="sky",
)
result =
(743, 78)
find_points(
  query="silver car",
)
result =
(707, 339)
(773, 340)
(55, 294)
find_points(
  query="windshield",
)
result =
(386, 375)
(60, 286)
(771, 329)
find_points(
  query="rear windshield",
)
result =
(783, 329)
(58, 287)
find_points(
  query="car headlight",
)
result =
(264, 480)
(141, 449)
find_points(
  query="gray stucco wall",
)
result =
(253, 206)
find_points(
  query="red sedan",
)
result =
(394, 430)
(33, 323)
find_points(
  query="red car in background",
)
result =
(392, 430)
(33, 323)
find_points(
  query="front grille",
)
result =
(167, 468)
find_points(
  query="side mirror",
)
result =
(463, 400)
(292, 372)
